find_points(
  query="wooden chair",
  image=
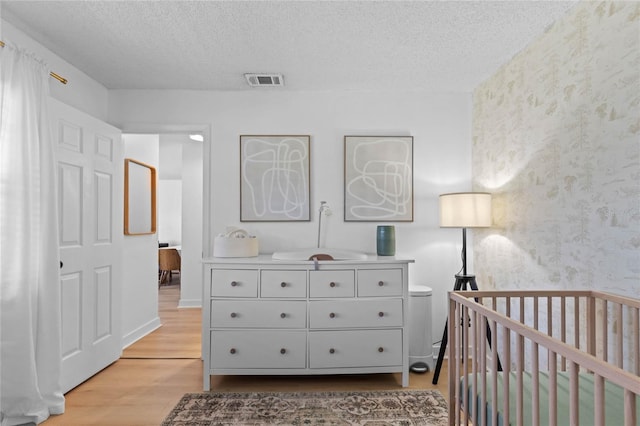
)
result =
(169, 262)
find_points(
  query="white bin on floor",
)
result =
(420, 342)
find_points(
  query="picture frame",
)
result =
(139, 198)
(378, 178)
(274, 178)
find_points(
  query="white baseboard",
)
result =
(140, 332)
(190, 303)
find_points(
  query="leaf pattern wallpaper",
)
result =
(556, 140)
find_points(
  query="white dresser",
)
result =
(261, 316)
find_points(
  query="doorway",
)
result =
(140, 290)
(180, 192)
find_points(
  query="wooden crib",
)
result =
(567, 358)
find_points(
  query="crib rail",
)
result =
(541, 337)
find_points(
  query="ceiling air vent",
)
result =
(264, 80)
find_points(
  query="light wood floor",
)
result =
(144, 385)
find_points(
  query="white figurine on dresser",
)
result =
(264, 316)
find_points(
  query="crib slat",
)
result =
(468, 405)
(549, 316)
(553, 388)
(605, 331)
(563, 327)
(494, 373)
(636, 339)
(598, 399)
(574, 405)
(520, 381)
(576, 322)
(591, 325)
(535, 386)
(483, 363)
(454, 363)
(619, 336)
(507, 372)
(630, 415)
(474, 366)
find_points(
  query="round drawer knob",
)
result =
(332, 284)
(283, 351)
(283, 284)
(332, 315)
(380, 349)
(233, 315)
(332, 351)
(234, 283)
(283, 315)
(380, 283)
(380, 314)
(232, 351)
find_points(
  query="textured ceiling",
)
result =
(444, 46)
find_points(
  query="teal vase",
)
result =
(386, 240)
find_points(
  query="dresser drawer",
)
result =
(355, 313)
(234, 283)
(379, 282)
(258, 314)
(258, 349)
(331, 283)
(283, 284)
(363, 348)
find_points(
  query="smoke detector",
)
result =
(264, 80)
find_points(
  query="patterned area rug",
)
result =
(411, 407)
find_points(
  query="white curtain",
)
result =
(30, 331)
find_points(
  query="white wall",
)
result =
(192, 173)
(439, 123)
(170, 188)
(170, 211)
(140, 258)
(171, 155)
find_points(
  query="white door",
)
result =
(90, 191)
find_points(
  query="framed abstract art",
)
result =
(378, 178)
(274, 178)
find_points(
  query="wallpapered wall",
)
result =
(556, 139)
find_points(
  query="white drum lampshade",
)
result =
(465, 210)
